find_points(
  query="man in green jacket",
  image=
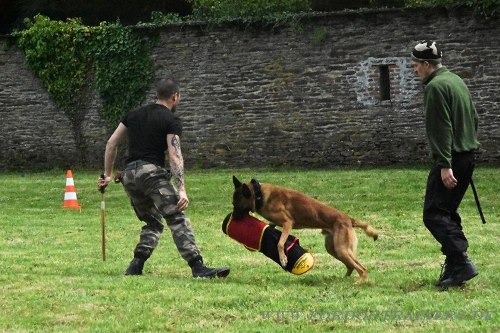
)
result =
(451, 123)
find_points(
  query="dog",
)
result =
(290, 209)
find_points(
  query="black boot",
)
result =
(446, 269)
(460, 272)
(135, 267)
(199, 269)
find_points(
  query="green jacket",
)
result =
(450, 116)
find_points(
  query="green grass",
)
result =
(53, 279)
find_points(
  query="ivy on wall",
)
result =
(122, 68)
(55, 51)
(67, 55)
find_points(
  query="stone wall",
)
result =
(329, 90)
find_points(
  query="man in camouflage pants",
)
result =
(151, 131)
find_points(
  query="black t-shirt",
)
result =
(148, 127)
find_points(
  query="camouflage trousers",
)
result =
(153, 197)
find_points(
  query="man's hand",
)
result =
(102, 182)
(118, 177)
(183, 201)
(448, 179)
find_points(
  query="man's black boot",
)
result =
(459, 274)
(199, 269)
(135, 267)
(446, 269)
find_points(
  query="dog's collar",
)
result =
(259, 198)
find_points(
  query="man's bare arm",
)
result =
(177, 169)
(118, 136)
(176, 161)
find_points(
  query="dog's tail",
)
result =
(368, 229)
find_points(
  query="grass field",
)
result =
(53, 279)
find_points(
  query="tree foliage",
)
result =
(245, 8)
(130, 12)
(489, 9)
(91, 12)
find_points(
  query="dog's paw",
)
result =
(283, 261)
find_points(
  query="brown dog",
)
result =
(291, 209)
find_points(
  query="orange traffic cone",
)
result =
(70, 200)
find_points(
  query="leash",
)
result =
(477, 201)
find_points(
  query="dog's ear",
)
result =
(236, 182)
(246, 191)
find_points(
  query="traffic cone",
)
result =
(70, 200)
